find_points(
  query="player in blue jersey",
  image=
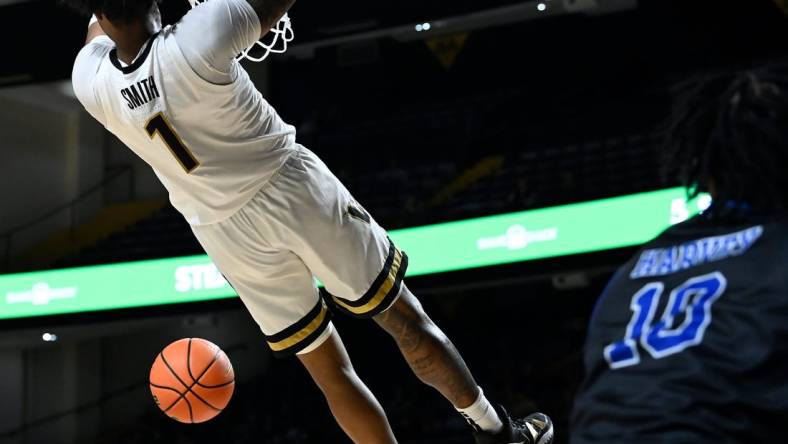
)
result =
(689, 342)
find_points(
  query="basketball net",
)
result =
(282, 35)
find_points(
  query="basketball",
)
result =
(192, 380)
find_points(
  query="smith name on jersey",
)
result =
(143, 92)
(188, 108)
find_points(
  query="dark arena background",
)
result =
(431, 112)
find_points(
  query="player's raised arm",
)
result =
(269, 12)
(86, 65)
(214, 32)
(94, 30)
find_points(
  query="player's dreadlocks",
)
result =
(729, 136)
(124, 11)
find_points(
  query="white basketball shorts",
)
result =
(304, 224)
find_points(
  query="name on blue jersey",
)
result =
(665, 261)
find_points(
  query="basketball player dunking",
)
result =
(267, 210)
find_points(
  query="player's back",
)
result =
(689, 342)
(208, 133)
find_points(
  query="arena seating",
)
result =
(399, 196)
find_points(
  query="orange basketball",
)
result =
(192, 380)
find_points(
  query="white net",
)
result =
(274, 42)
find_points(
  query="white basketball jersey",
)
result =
(212, 145)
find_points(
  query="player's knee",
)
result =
(410, 326)
(410, 306)
(405, 320)
(336, 379)
(419, 318)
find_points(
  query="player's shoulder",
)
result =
(87, 66)
(220, 17)
(91, 56)
(98, 47)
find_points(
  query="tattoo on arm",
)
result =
(270, 11)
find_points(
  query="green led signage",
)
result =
(515, 237)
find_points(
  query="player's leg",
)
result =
(436, 362)
(352, 404)
(280, 294)
(362, 270)
(430, 354)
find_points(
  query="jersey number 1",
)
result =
(159, 124)
(691, 300)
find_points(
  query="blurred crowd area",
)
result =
(401, 195)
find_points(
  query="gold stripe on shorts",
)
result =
(382, 291)
(315, 320)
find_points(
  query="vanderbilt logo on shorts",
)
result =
(354, 210)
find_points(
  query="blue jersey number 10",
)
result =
(693, 299)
